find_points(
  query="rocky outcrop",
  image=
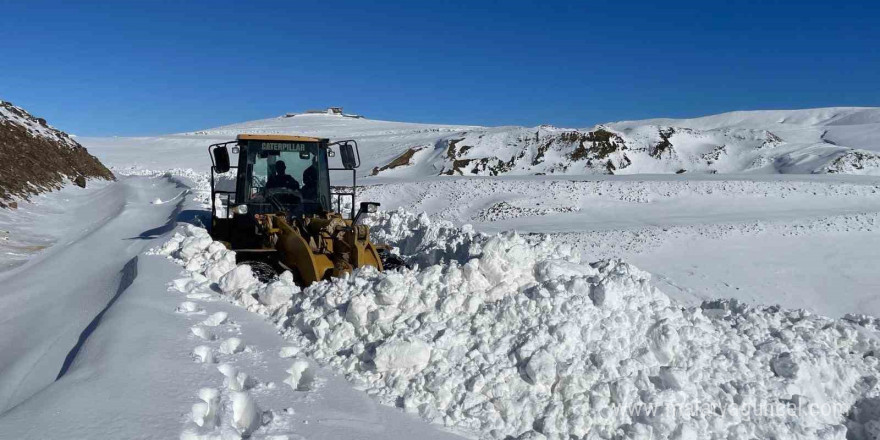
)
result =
(403, 160)
(35, 157)
(547, 150)
(854, 162)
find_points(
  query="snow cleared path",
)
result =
(47, 218)
(51, 300)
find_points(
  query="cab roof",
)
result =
(277, 138)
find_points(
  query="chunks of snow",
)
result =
(391, 290)
(864, 419)
(245, 414)
(527, 339)
(202, 333)
(235, 380)
(402, 355)
(300, 376)
(278, 293)
(188, 307)
(215, 319)
(204, 354)
(541, 368)
(238, 279)
(784, 365)
(206, 412)
(288, 352)
(232, 346)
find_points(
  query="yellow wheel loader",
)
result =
(277, 213)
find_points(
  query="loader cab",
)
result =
(275, 174)
(283, 173)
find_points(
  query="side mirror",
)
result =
(366, 208)
(370, 207)
(349, 160)
(221, 160)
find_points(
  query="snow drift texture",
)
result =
(499, 338)
(35, 157)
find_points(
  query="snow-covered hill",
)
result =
(826, 140)
(36, 157)
(837, 140)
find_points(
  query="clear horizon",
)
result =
(145, 69)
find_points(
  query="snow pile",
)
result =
(424, 241)
(512, 339)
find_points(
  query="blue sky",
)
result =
(136, 68)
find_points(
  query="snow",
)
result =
(232, 346)
(49, 218)
(298, 379)
(607, 315)
(824, 140)
(530, 339)
(51, 319)
(402, 355)
(803, 242)
(204, 354)
(215, 319)
(245, 414)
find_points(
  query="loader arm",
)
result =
(317, 248)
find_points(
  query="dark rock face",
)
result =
(34, 157)
(402, 160)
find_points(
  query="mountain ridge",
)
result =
(36, 157)
(805, 141)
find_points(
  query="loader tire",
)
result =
(264, 272)
(391, 261)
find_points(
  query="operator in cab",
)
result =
(280, 179)
(310, 183)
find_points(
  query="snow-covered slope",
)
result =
(825, 140)
(836, 140)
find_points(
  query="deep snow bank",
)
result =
(509, 339)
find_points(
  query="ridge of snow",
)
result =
(512, 339)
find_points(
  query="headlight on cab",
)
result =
(240, 209)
